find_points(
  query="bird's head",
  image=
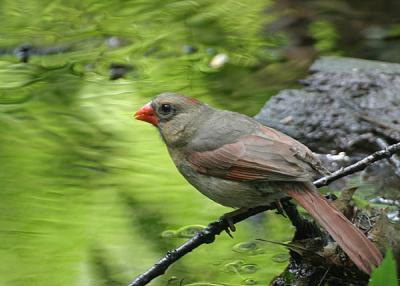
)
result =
(174, 115)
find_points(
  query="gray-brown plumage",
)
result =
(237, 162)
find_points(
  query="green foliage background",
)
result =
(88, 195)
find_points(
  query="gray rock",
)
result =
(344, 102)
(346, 105)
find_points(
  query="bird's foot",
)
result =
(228, 218)
(279, 208)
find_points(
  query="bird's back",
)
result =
(222, 128)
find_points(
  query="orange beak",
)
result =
(146, 113)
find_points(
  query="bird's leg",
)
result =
(228, 217)
(279, 208)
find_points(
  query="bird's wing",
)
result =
(266, 155)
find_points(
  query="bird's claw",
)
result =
(279, 208)
(230, 225)
(228, 232)
(228, 218)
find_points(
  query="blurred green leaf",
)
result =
(325, 35)
(386, 273)
(88, 195)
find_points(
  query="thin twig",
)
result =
(394, 160)
(358, 166)
(207, 235)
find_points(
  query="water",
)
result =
(89, 196)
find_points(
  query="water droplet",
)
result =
(219, 60)
(189, 231)
(204, 284)
(250, 247)
(280, 258)
(189, 49)
(169, 233)
(249, 281)
(234, 266)
(248, 268)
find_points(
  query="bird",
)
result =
(240, 163)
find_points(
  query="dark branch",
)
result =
(207, 235)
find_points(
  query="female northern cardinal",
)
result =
(240, 163)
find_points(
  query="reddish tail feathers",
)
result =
(354, 243)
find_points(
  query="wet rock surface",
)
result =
(345, 105)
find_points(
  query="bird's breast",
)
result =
(230, 193)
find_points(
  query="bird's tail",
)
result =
(354, 243)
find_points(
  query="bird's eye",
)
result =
(166, 108)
